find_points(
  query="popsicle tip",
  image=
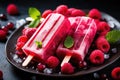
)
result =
(27, 60)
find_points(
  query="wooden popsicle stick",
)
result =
(27, 60)
(66, 59)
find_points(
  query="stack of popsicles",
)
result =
(52, 32)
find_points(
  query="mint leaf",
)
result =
(34, 13)
(113, 36)
(34, 23)
(69, 42)
(39, 44)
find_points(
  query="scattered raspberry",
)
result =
(1, 75)
(82, 64)
(41, 67)
(46, 12)
(3, 17)
(3, 35)
(12, 9)
(4, 28)
(28, 32)
(103, 44)
(67, 68)
(52, 62)
(95, 14)
(103, 28)
(116, 73)
(68, 13)
(77, 12)
(22, 38)
(20, 52)
(62, 9)
(97, 57)
(19, 45)
(10, 25)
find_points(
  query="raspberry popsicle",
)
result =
(82, 31)
(47, 36)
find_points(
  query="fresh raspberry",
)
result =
(3, 35)
(10, 25)
(102, 44)
(5, 29)
(68, 13)
(22, 38)
(103, 28)
(97, 57)
(54, 11)
(19, 45)
(28, 32)
(52, 62)
(1, 75)
(46, 12)
(41, 67)
(12, 9)
(77, 12)
(82, 64)
(67, 68)
(20, 52)
(3, 17)
(116, 73)
(95, 14)
(62, 9)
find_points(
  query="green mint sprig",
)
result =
(113, 36)
(34, 23)
(39, 44)
(69, 42)
(35, 14)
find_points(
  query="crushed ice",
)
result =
(47, 71)
(16, 58)
(106, 56)
(20, 22)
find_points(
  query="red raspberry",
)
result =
(102, 44)
(10, 25)
(95, 14)
(41, 67)
(82, 64)
(28, 32)
(22, 38)
(1, 75)
(67, 68)
(116, 73)
(103, 28)
(68, 13)
(46, 12)
(19, 52)
(52, 62)
(97, 57)
(3, 17)
(62, 9)
(12, 9)
(19, 45)
(3, 35)
(77, 12)
(5, 29)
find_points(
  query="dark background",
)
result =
(110, 7)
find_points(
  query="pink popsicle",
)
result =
(82, 31)
(50, 33)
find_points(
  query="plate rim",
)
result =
(56, 74)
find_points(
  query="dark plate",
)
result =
(10, 50)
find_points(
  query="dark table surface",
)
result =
(9, 72)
